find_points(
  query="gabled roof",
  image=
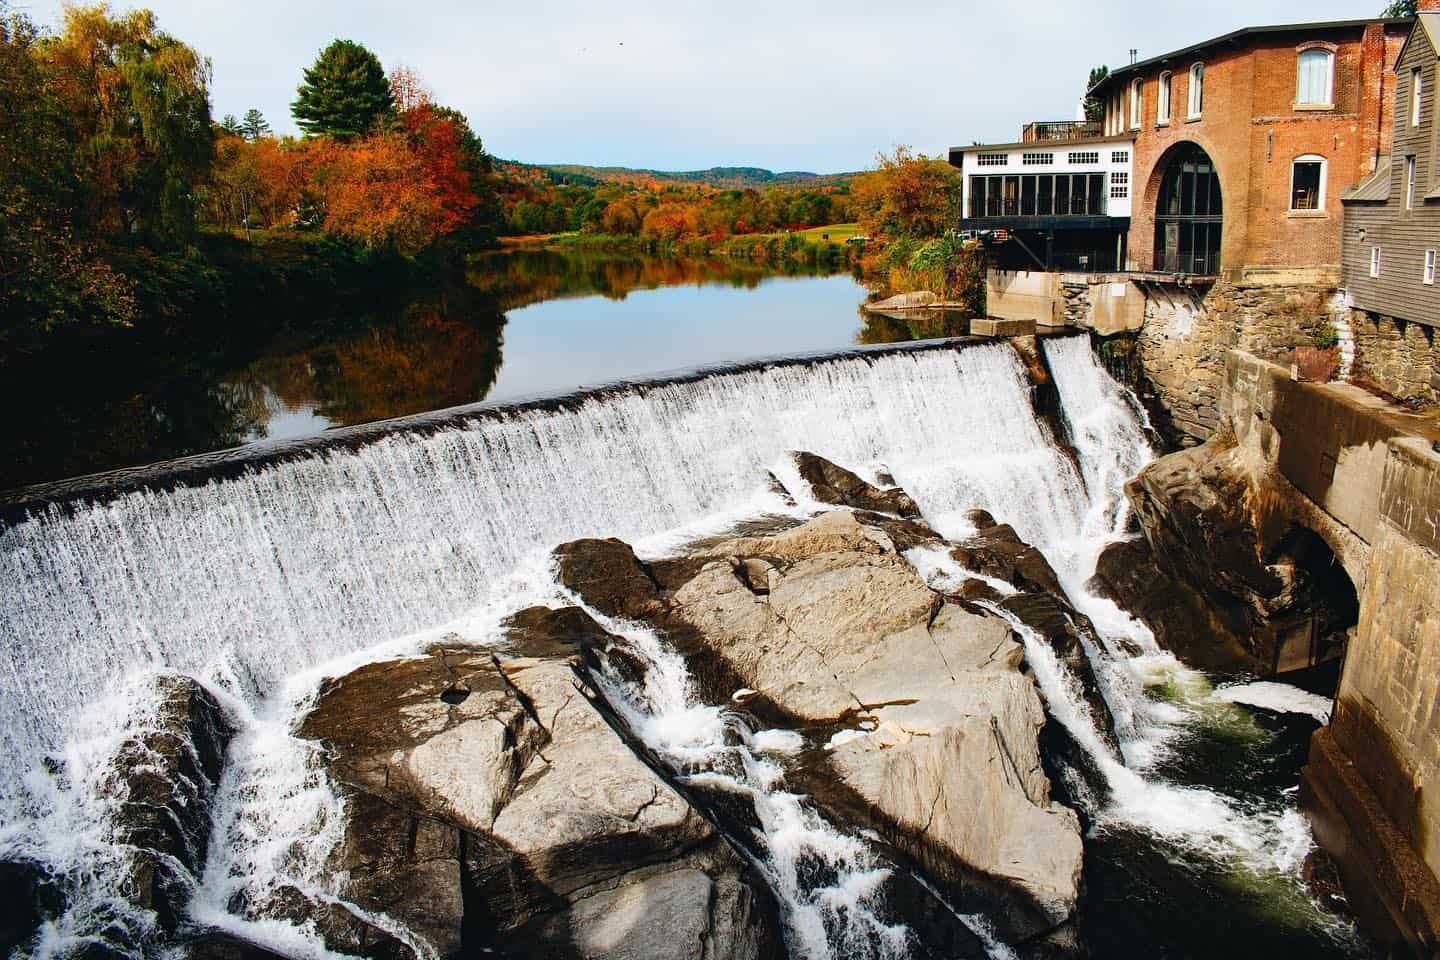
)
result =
(1430, 23)
(1241, 34)
(1374, 188)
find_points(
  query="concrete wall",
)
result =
(1358, 472)
(1036, 296)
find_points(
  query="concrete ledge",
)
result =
(995, 327)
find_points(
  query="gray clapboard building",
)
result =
(1392, 218)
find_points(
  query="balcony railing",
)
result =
(1043, 131)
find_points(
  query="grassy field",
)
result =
(838, 232)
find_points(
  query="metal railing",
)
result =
(1042, 131)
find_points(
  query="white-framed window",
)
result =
(992, 159)
(1037, 159)
(1430, 268)
(1374, 261)
(1137, 100)
(1307, 183)
(1084, 156)
(1120, 156)
(1315, 77)
(1197, 90)
(1119, 186)
(1417, 92)
(1162, 107)
(1410, 183)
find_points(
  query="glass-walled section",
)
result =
(1038, 195)
(1189, 216)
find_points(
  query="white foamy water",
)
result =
(259, 584)
(1279, 697)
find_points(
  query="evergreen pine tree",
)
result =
(230, 124)
(254, 126)
(344, 93)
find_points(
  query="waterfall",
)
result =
(260, 583)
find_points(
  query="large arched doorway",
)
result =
(1189, 214)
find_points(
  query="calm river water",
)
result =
(524, 322)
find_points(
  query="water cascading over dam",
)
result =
(251, 581)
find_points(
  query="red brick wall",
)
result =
(1252, 131)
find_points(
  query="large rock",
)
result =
(829, 623)
(830, 483)
(1217, 584)
(165, 779)
(489, 802)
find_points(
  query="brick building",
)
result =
(1244, 144)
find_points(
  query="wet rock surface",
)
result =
(1213, 582)
(166, 779)
(834, 484)
(507, 818)
(828, 624)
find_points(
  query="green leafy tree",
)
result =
(1401, 8)
(231, 125)
(344, 94)
(1094, 108)
(254, 126)
(139, 107)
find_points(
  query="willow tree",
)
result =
(344, 93)
(139, 103)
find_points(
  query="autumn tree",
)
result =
(139, 102)
(345, 92)
(254, 126)
(50, 277)
(909, 195)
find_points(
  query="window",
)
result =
(992, 159)
(1417, 91)
(1430, 267)
(1374, 261)
(1037, 159)
(1410, 183)
(1315, 78)
(1162, 110)
(1120, 156)
(1085, 156)
(1136, 100)
(1307, 184)
(1119, 186)
(1197, 89)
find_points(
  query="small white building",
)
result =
(1057, 200)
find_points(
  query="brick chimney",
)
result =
(1428, 6)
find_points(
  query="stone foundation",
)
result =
(1398, 357)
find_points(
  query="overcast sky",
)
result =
(684, 85)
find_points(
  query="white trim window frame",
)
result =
(1417, 94)
(1317, 202)
(1374, 262)
(1315, 77)
(1137, 103)
(1162, 104)
(1429, 275)
(1195, 96)
(1410, 183)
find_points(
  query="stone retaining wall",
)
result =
(1398, 357)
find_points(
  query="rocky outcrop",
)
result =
(489, 805)
(166, 775)
(1216, 580)
(830, 483)
(828, 624)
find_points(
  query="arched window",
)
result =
(1136, 90)
(1197, 89)
(1162, 108)
(1315, 81)
(1307, 184)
